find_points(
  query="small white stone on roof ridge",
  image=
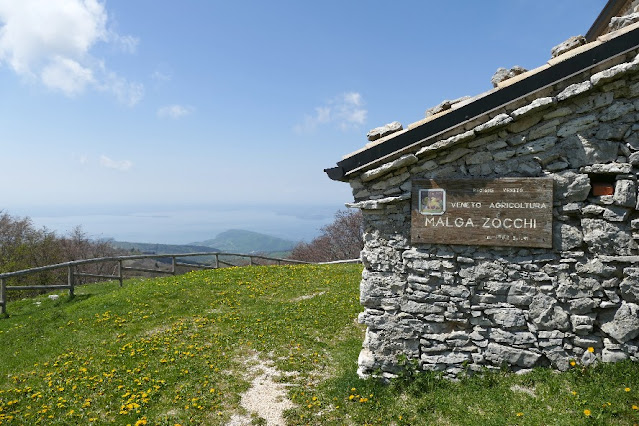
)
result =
(568, 45)
(380, 132)
(536, 105)
(406, 160)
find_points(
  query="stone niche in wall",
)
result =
(511, 239)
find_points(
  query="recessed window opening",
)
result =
(602, 185)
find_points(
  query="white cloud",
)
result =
(174, 111)
(66, 75)
(128, 93)
(161, 76)
(122, 165)
(50, 41)
(345, 111)
(127, 43)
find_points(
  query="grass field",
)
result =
(175, 350)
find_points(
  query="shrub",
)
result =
(339, 240)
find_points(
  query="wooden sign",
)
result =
(495, 212)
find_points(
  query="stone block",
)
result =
(585, 151)
(588, 341)
(611, 131)
(496, 354)
(559, 112)
(582, 305)
(481, 157)
(622, 324)
(414, 307)
(629, 289)
(523, 124)
(570, 186)
(546, 313)
(566, 237)
(517, 338)
(625, 193)
(612, 73)
(454, 155)
(446, 358)
(508, 318)
(559, 359)
(459, 291)
(613, 356)
(505, 155)
(593, 102)
(608, 238)
(538, 145)
(500, 120)
(582, 324)
(380, 132)
(538, 104)
(568, 45)
(574, 90)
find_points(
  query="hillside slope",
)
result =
(154, 349)
(187, 350)
(246, 242)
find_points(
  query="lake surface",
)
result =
(181, 225)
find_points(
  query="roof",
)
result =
(598, 51)
(611, 9)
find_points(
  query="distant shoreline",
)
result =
(182, 224)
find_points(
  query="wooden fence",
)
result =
(72, 272)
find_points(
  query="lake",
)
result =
(183, 224)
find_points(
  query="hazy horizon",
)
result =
(167, 224)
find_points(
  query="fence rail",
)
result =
(72, 272)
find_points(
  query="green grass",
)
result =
(172, 351)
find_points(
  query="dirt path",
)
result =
(266, 398)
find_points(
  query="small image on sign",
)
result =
(432, 201)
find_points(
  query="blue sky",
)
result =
(122, 103)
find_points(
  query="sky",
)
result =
(129, 109)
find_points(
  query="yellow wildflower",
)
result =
(591, 349)
(587, 412)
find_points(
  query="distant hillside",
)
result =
(151, 248)
(245, 242)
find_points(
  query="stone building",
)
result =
(502, 229)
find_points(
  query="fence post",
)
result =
(3, 296)
(71, 281)
(120, 276)
(217, 261)
(173, 265)
(251, 260)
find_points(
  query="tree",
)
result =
(339, 240)
(23, 246)
(77, 245)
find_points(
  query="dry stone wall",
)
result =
(456, 307)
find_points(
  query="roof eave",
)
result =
(493, 100)
(610, 10)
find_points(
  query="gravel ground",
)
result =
(265, 398)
